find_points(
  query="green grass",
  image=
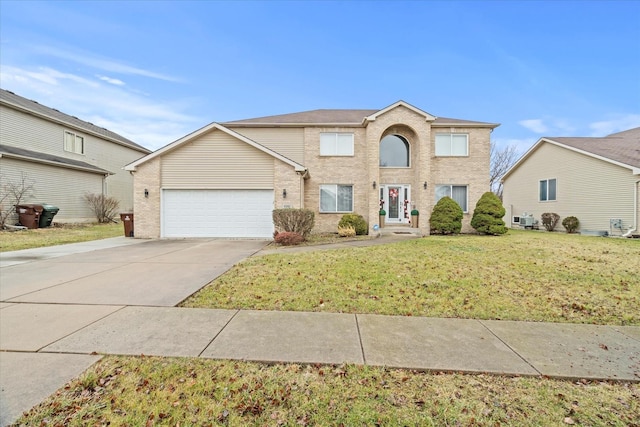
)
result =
(534, 276)
(138, 391)
(59, 235)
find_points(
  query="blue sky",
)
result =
(155, 71)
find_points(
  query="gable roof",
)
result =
(346, 117)
(621, 148)
(192, 136)
(37, 157)
(28, 106)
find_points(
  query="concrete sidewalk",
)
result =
(59, 314)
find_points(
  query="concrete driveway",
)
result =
(47, 294)
(151, 273)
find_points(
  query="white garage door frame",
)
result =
(217, 213)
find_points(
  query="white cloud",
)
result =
(615, 124)
(110, 80)
(149, 122)
(534, 125)
(104, 64)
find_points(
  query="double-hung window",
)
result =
(336, 144)
(456, 192)
(452, 144)
(73, 142)
(548, 190)
(336, 198)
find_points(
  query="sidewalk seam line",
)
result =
(509, 347)
(219, 332)
(78, 330)
(364, 358)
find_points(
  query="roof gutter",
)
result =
(56, 164)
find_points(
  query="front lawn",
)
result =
(143, 391)
(524, 275)
(58, 235)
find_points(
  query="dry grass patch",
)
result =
(534, 276)
(133, 391)
(58, 235)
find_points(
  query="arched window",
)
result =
(394, 152)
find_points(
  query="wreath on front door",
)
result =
(393, 194)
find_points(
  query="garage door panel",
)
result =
(217, 213)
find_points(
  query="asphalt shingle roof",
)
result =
(623, 147)
(62, 161)
(337, 117)
(11, 99)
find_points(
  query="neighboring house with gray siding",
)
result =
(225, 179)
(64, 157)
(594, 179)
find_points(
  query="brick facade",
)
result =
(360, 171)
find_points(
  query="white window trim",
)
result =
(547, 181)
(75, 136)
(450, 134)
(335, 152)
(336, 187)
(451, 191)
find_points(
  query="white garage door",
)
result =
(217, 213)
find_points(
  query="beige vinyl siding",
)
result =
(593, 190)
(217, 161)
(286, 141)
(33, 133)
(60, 187)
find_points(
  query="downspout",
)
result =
(635, 212)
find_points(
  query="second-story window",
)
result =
(452, 144)
(336, 144)
(73, 142)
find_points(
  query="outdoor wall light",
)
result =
(146, 193)
(374, 185)
(425, 185)
(284, 193)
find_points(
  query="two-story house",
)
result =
(63, 157)
(225, 179)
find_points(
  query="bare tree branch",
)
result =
(12, 193)
(501, 161)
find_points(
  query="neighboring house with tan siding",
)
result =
(225, 179)
(64, 157)
(594, 179)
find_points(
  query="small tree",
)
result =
(501, 161)
(299, 221)
(13, 193)
(104, 207)
(487, 216)
(571, 224)
(446, 217)
(356, 221)
(550, 220)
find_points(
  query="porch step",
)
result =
(399, 229)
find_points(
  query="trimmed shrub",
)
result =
(347, 231)
(487, 216)
(299, 221)
(288, 238)
(356, 221)
(550, 220)
(571, 224)
(446, 217)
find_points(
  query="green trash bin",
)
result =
(46, 217)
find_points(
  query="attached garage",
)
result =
(213, 183)
(217, 213)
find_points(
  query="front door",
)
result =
(397, 203)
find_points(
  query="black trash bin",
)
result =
(46, 217)
(127, 220)
(29, 215)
